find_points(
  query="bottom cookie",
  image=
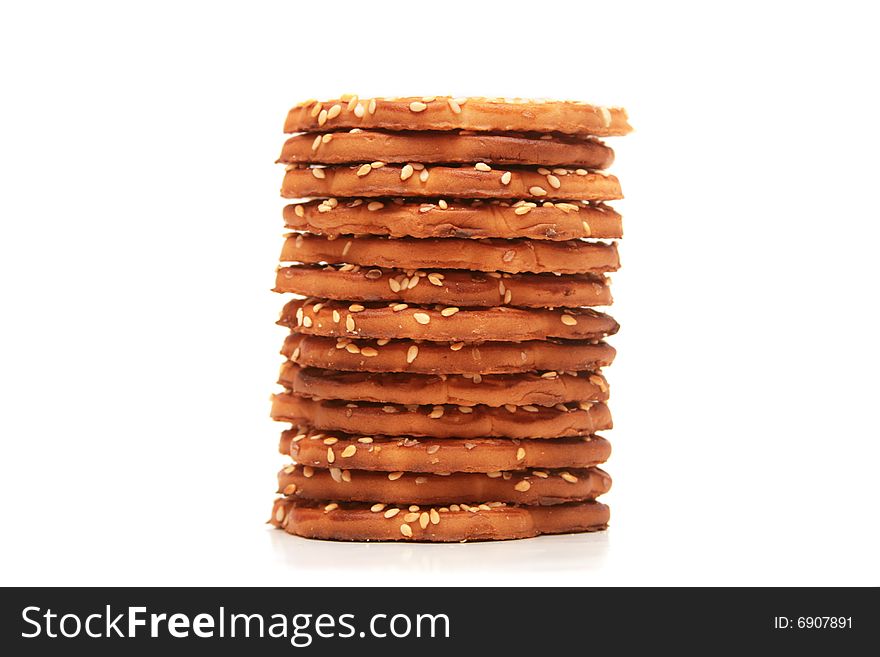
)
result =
(456, 523)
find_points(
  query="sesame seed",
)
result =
(290, 489)
(568, 320)
(465, 409)
(530, 408)
(406, 171)
(372, 106)
(422, 318)
(456, 346)
(435, 517)
(549, 375)
(417, 106)
(406, 530)
(375, 205)
(355, 308)
(522, 486)
(540, 473)
(377, 165)
(520, 454)
(523, 209)
(331, 507)
(377, 507)
(326, 139)
(478, 378)
(315, 110)
(390, 513)
(364, 170)
(331, 457)
(537, 191)
(299, 211)
(424, 519)
(508, 296)
(454, 507)
(349, 323)
(443, 204)
(436, 412)
(411, 517)
(295, 354)
(279, 514)
(423, 176)
(449, 312)
(308, 471)
(359, 111)
(319, 173)
(373, 274)
(433, 449)
(389, 409)
(322, 117)
(414, 507)
(585, 406)
(505, 177)
(587, 230)
(365, 439)
(544, 171)
(421, 480)
(316, 143)
(334, 111)
(369, 352)
(307, 322)
(570, 478)
(426, 207)
(336, 475)
(581, 172)
(494, 475)
(455, 107)
(336, 316)
(428, 99)
(606, 116)
(289, 468)
(349, 451)
(554, 181)
(510, 408)
(397, 307)
(482, 166)
(412, 353)
(330, 441)
(394, 476)
(346, 476)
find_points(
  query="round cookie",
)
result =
(453, 287)
(448, 358)
(442, 421)
(452, 181)
(461, 113)
(557, 487)
(546, 389)
(502, 323)
(405, 453)
(513, 256)
(496, 521)
(452, 147)
(455, 218)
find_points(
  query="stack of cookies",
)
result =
(443, 375)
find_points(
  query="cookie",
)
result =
(341, 521)
(372, 180)
(407, 454)
(552, 487)
(439, 421)
(514, 256)
(453, 218)
(453, 147)
(463, 113)
(544, 389)
(449, 324)
(453, 287)
(448, 358)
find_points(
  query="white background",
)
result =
(141, 224)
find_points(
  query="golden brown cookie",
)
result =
(544, 389)
(508, 256)
(453, 218)
(450, 324)
(439, 421)
(341, 521)
(408, 454)
(446, 358)
(447, 181)
(524, 487)
(451, 147)
(452, 287)
(462, 113)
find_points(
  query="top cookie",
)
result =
(447, 113)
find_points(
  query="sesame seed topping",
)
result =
(568, 320)
(290, 489)
(336, 475)
(372, 106)
(359, 111)
(424, 519)
(454, 106)
(435, 517)
(390, 513)
(389, 409)
(394, 476)
(336, 316)
(449, 312)
(331, 457)
(587, 230)
(299, 211)
(369, 352)
(423, 176)
(530, 408)
(540, 473)
(422, 318)
(465, 409)
(406, 530)
(411, 517)
(510, 408)
(554, 181)
(505, 177)
(522, 486)
(520, 454)
(308, 471)
(377, 507)
(279, 514)
(349, 451)
(523, 209)
(322, 117)
(331, 507)
(397, 307)
(443, 204)
(406, 171)
(537, 191)
(433, 449)
(365, 439)
(570, 478)
(334, 111)
(377, 165)
(436, 412)
(331, 440)
(494, 475)
(319, 173)
(349, 323)
(355, 308)
(364, 170)
(412, 353)
(581, 172)
(327, 138)
(375, 205)
(316, 143)
(421, 480)
(508, 296)
(417, 106)
(482, 166)
(456, 346)
(549, 375)
(606, 116)
(436, 279)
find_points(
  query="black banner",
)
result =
(433, 621)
